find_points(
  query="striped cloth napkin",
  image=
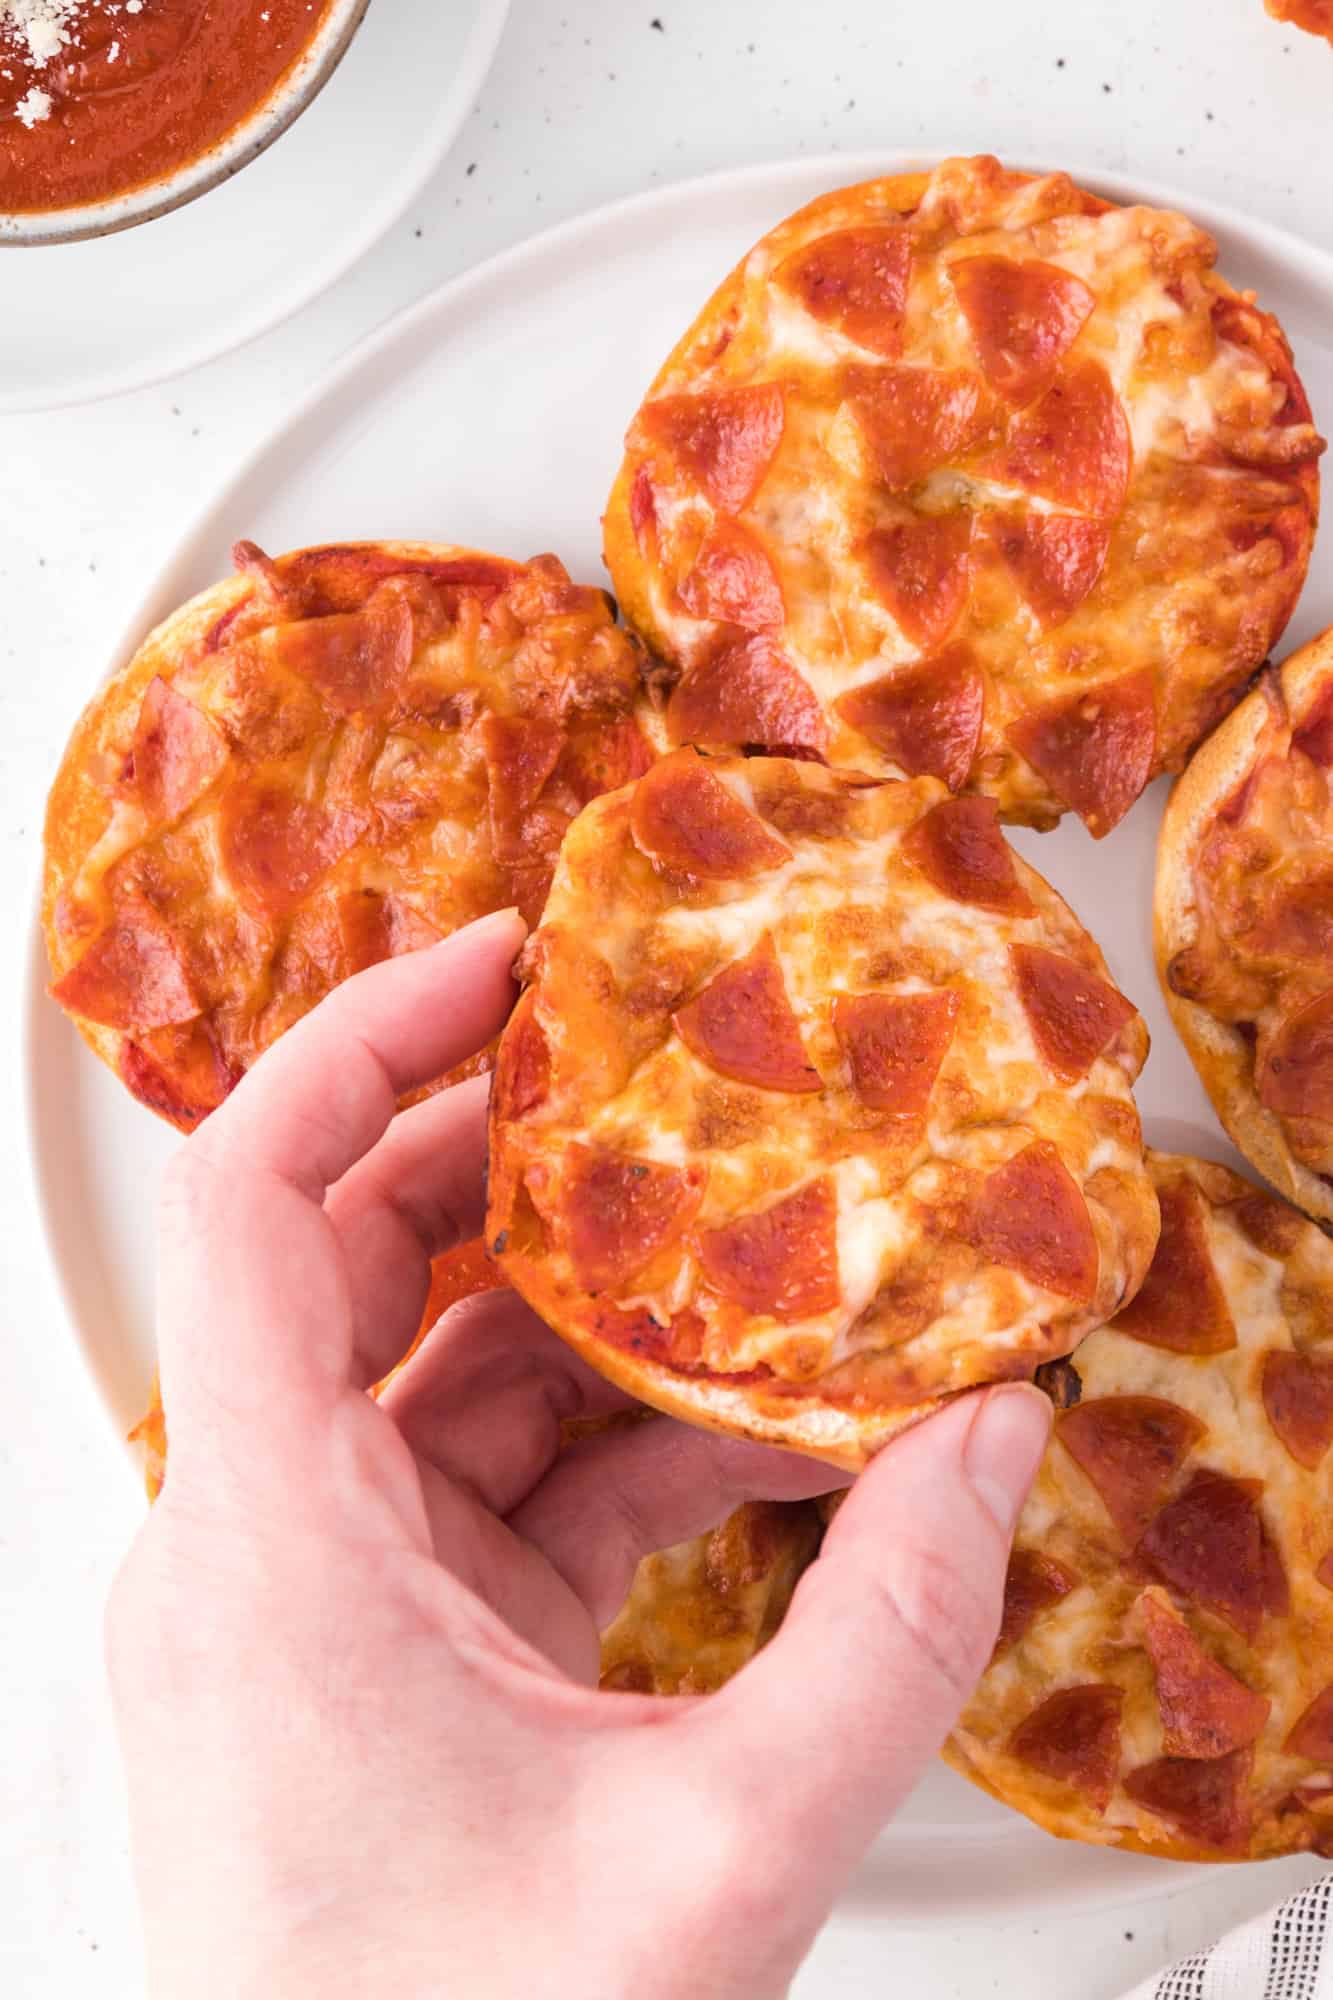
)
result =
(1286, 1954)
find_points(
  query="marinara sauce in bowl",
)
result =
(114, 111)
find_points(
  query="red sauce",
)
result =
(135, 95)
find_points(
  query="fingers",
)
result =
(484, 1398)
(414, 1196)
(615, 1498)
(887, 1635)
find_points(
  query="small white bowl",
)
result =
(245, 142)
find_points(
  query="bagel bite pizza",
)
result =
(1163, 1679)
(817, 1107)
(1244, 923)
(338, 755)
(969, 475)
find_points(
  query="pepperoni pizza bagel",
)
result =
(973, 475)
(1244, 923)
(697, 1612)
(337, 755)
(817, 1107)
(1163, 1679)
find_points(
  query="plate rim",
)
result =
(438, 140)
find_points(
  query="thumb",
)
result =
(887, 1635)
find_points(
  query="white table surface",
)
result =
(589, 100)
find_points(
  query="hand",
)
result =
(354, 1648)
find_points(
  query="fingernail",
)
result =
(1004, 1448)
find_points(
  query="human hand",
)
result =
(354, 1648)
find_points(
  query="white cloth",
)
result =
(1287, 1954)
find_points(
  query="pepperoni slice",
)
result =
(686, 819)
(926, 718)
(277, 848)
(726, 439)
(1209, 1544)
(856, 281)
(1271, 1225)
(894, 1044)
(521, 751)
(1072, 1012)
(619, 1212)
(747, 695)
(600, 757)
(742, 1024)
(522, 1065)
(178, 752)
(1206, 1798)
(373, 927)
(354, 658)
(1205, 1711)
(915, 420)
(1072, 445)
(183, 1077)
(1131, 1448)
(1312, 1735)
(1181, 1305)
(958, 846)
(1031, 1216)
(1024, 319)
(1298, 1397)
(1055, 559)
(782, 1261)
(1295, 1073)
(1032, 1584)
(1095, 750)
(733, 580)
(643, 511)
(920, 569)
(1074, 1736)
(132, 977)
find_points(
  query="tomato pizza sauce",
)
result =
(98, 97)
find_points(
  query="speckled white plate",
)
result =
(492, 414)
(91, 319)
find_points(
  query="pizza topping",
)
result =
(1181, 1304)
(1204, 1797)
(1295, 1070)
(619, 1212)
(781, 1261)
(276, 848)
(1272, 1226)
(1072, 445)
(522, 1064)
(1031, 1216)
(959, 847)
(372, 927)
(1073, 1014)
(916, 420)
(178, 752)
(747, 695)
(1095, 750)
(726, 439)
(687, 820)
(133, 975)
(1205, 1711)
(1298, 1396)
(1024, 319)
(183, 1077)
(1055, 559)
(1209, 1544)
(925, 718)
(1032, 1584)
(856, 281)
(894, 1044)
(1130, 1448)
(742, 1024)
(1074, 1736)
(733, 580)
(353, 658)
(1312, 1735)
(919, 568)
(521, 751)
(643, 510)
(601, 757)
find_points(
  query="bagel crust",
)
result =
(969, 475)
(817, 1108)
(1163, 1680)
(1244, 923)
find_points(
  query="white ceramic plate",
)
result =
(492, 414)
(94, 319)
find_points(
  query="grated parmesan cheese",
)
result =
(33, 108)
(41, 28)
